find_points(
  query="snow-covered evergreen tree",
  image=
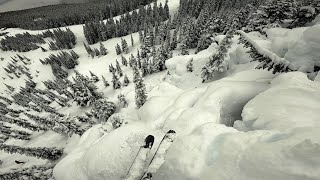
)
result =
(103, 109)
(190, 66)
(125, 80)
(94, 78)
(119, 70)
(174, 42)
(140, 88)
(105, 82)
(272, 13)
(85, 92)
(132, 42)
(204, 42)
(184, 49)
(116, 84)
(125, 47)
(103, 50)
(124, 61)
(118, 49)
(217, 63)
(267, 59)
(40, 152)
(122, 101)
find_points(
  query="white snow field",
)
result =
(248, 124)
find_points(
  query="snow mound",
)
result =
(292, 101)
(95, 156)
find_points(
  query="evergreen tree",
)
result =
(272, 13)
(125, 47)
(103, 50)
(190, 66)
(140, 89)
(141, 37)
(306, 14)
(74, 54)
(132, 42)
(105, 82)
(88, 48)
(132, 61)
(40, 152)
(119, 70)
(174, 42)
(126, 80)
(204, 42)
(118, 49)
(217, 62)
(166, 12)
(85, 92)
(184, 49)
(124, 61)
(103, 109)
(122, 101)
(268, 60)
(94, 78)
(116, 84)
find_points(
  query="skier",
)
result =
(149, 141)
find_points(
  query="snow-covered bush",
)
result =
(103, 109)
(85, 92)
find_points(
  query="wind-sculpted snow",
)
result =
(283, 145)
(184, 111)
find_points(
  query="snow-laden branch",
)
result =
(272, 60)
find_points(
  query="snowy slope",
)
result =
(276, 129)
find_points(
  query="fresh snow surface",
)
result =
(247, 124)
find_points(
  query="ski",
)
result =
(138, 165)
(158, 157)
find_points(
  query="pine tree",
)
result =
(105, 82)
(204, 42)
(96, 52)
(184, 49)
(140, 89)
(116, 84)
(306, 14)
(118, 49)
(10, 88)
(103, 50)
(132, 61)
(74, 54)
(132, 42)
(141, 37)
(190, 66)
(85, 92)
(174, 42)
(126, 80)
(268, 60)
(124, 45)
(272, 13)
(103, 109)
(119, 70)
(40, 152)
(88, 48)
(217, 62)
(166, 12)
(124, 61)
(94, 78)
(122, 101)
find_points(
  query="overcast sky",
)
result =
(11, 5)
